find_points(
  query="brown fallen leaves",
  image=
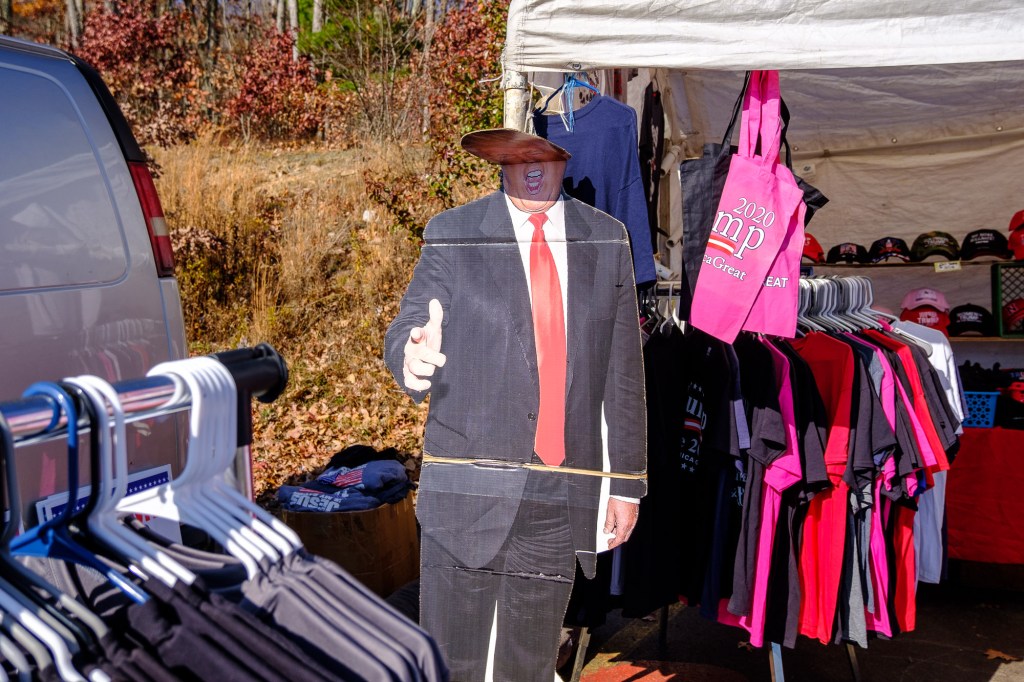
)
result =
(996, 655)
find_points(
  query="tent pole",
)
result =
(775, 663)
(517, 100)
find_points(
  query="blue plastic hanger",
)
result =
(568, 91)
(52, 539)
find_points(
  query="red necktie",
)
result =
(549, 333)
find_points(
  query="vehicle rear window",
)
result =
(58, 226)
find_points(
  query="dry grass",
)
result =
(273, 246)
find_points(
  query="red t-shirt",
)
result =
(824, 532)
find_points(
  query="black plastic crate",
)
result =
(1007, 287)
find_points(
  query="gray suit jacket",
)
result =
(484, 400)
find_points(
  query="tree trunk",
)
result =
(212, 30)
(74, 21)
(293, 27)
(318, 15)
(428, 37)
(6, 13)
(279, 10)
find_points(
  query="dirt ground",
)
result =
(970, 629)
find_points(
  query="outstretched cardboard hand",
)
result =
(423, 350)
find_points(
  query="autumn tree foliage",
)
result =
(464, 67)
(172, 83)
(274, 97)
(151, 64)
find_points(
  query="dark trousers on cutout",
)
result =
(530, 579)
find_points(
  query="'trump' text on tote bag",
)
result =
(757, 209)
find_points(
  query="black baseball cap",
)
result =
(971, 320)
(888, 247)
(985, 243)
(847, 252)
(935, 244)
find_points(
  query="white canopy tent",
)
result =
(908, 115)
(563, 35)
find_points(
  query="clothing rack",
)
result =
(843, 293)
(258, 372)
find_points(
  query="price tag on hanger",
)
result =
(948, 266)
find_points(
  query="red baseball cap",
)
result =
(1016, 243)
(1017, 220)
(927, 316)
(812, 249)
(1014, 391)
(1013, 316)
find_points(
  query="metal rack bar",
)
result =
(258, 372)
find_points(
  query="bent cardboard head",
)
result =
(506, 146)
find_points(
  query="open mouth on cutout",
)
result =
(533, 181)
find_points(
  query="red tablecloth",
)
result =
(985, 497)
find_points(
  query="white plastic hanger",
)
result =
(268, 526)
(811, 311)
(869, 298)
(837, 307)
(258, 528)
(223, 397)
(175, 500)
(113, 487)
(803, 302)
(220, 414)
(849, 305)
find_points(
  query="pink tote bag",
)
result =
(774, 309)
(758, 209)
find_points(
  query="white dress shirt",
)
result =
(554, 235)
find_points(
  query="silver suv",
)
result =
(86, 271)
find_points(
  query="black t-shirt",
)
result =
(273, 648)
(935, 397)
(812, 425)
(760, 400)
(869, 429)
(767, 442)
(185, 641)
(705, 451)
(908, 454)
(782, 614)
(140, 663)
(404, 634)
(654, 553)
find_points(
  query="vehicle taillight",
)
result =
(155, 223)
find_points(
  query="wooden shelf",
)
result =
(896, 266)
(984, 339)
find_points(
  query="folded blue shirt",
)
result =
(349, 488)
(375, 475)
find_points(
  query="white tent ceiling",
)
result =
(767, 34)
(909, 115)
